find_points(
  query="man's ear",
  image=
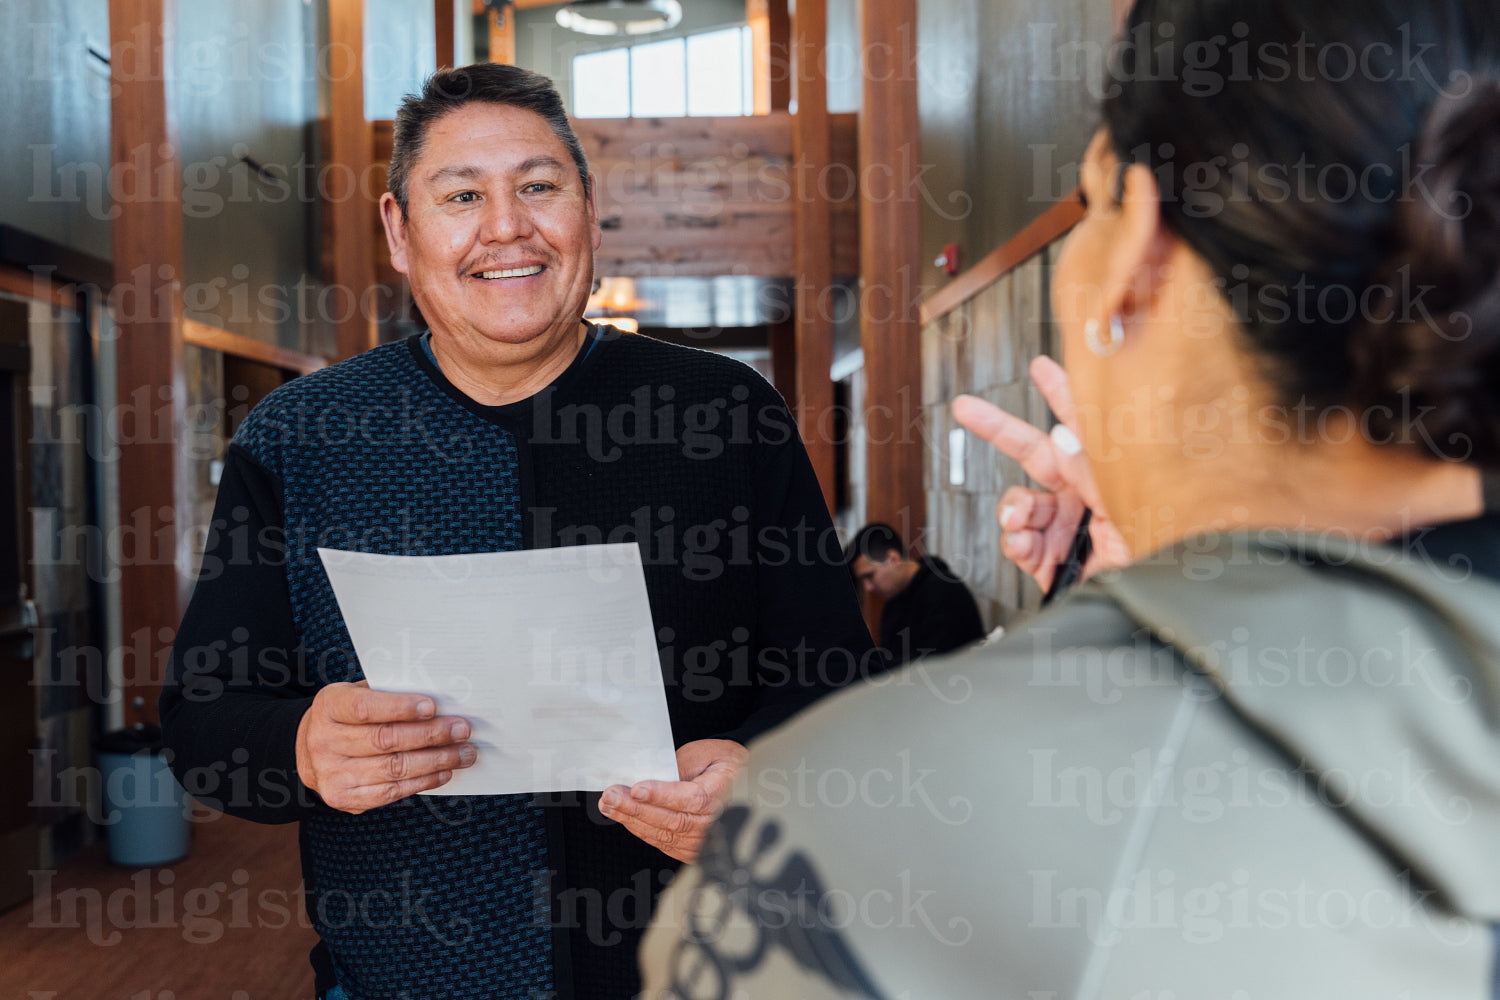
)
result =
(395, 231)
(593, 204)
(1140, 247)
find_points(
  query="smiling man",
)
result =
(491, 216)
(511, 423)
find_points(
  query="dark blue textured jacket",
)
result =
(691, 455)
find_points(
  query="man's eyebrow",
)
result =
(538, 162)
(468, 172)
(458, 172)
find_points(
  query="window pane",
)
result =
(713, 67)
(600, 85)
(747, 71)
(656, 80)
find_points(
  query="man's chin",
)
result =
(539, 335)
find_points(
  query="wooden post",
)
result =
(783, 342)
(770, 40)
(889, 165)
(442, 24)
(812, 238)
(771, 75)
(351, 207)
(150, 375)
(503, 35)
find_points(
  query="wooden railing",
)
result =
(240, 346)
(1051, 225)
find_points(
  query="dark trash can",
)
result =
(145, 809)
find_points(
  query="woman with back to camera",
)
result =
(1257, 754)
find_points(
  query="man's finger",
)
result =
(395, 791)
(681, 796)
(354, 705)
(394, 737)
(676, 822)
(677, 833)
(410, 764)
(357, 798)
(682, 846)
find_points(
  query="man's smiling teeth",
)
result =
(514, 272)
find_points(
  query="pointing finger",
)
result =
(1011, 436)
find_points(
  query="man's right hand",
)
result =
(359, 749)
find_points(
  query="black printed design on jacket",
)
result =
(735, 920)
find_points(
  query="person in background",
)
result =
(927, 607)
(1257, 752)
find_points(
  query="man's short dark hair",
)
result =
(447, 90)
(874, 541)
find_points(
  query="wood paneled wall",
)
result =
(982, 347)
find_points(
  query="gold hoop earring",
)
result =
(1100, 347)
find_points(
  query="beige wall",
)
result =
(1008, 92)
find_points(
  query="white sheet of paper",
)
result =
(549, 653)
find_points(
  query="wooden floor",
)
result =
(226, 923)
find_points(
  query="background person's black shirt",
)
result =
(934, 614)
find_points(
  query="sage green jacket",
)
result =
(1248, 768)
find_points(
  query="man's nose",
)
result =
(506, 219)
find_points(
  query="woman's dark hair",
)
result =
(483, 83)
(1337, 164)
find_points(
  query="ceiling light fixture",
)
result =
(620, 17)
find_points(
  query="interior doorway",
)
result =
(53, 671)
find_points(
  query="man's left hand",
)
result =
(674, 816)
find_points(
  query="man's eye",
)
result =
(466, 196)
(536, 187)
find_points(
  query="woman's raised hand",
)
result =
(1038, 525)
